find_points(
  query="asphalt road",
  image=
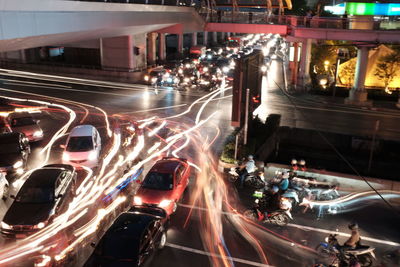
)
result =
(283, 246)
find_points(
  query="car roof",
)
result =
(165, 166)
(10, 137)
(83, 130)
(133, 224)
(44, 177)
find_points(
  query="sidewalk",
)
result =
(377, 105)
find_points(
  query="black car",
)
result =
(14, 152)
(132, 239)
(45, 194)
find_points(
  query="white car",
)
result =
(4, 186)
(83, 147)
(23, 122)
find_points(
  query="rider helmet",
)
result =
(275, 188)
(353, 226)
(285, 175)
(250, 157)
(302, 162)
(293, 162)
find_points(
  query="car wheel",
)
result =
(163, 240)
(6, 191)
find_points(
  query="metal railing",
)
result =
(183, 3)
(300, 21)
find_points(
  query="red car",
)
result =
(164, 184)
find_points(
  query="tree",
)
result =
(387, 67)
(347, 73)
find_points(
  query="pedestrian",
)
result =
(309, 16)
(344, 20)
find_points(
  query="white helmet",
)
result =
(285, 176)
(293, 162)
(250, 157)
(302, 162)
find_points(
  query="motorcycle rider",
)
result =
(284, 183)
(294, 164)
(353, 242)
(273, 200)
(248, 167)
(302, 165)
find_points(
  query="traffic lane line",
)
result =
(307, 228)
(366, 238)
(208, 254)
(10, 81)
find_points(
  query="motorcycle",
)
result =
(364, 255)
(280, 217)
(251, 179)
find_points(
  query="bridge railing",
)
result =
(187, 3)
(360, 23)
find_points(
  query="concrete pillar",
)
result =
(305, 59)
(179, 47)
(222, 36)
(214, 37)
(295, 63)
(151, 48)
(161, 47)
(194, 39)
(205, 38)
(117, 52)
(357, 95)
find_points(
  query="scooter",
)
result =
(362, 254)
(280, 217)
(251, 179)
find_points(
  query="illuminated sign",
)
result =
(365, 9)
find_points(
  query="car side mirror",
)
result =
(63, 146)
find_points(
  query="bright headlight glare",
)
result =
(65, 156)
(5, 226)
(40, 225)
(38, 133)
(18, 164)
(92, 155)
(146, 78)
(164, 203)
(137, 200)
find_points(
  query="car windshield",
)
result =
(25, 121)
(158, 181)
(35, 195)
(9, 148)
(80, 143)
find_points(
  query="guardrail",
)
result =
(351, 23)
(186, 3)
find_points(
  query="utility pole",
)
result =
(246, 118)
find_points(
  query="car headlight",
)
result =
(164, 203)
(225, 69)
(18, 164)
(180, 71)
(137, 200)
(186, 80)
(38, 133)
(65, 156)
(153, 80)
(40, 225)
(205, 69)
(92, 155)
(169, 80)
(146, 78)
(187, 66)
(5, 226)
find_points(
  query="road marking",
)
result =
(308, 228)
(205, 253)
(371, 239)
(9, 81)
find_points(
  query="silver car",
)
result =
(23, 122)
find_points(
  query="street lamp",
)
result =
(264, 69)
